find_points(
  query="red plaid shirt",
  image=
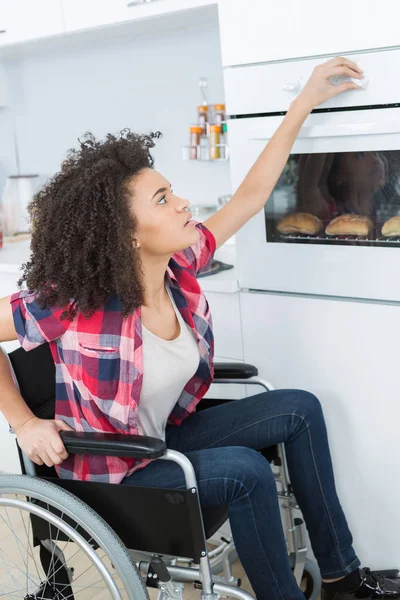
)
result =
(99, 361)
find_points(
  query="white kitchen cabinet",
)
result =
(225, 311)
(254, 31)
(86, 14)
(25, 20)
(346, 353)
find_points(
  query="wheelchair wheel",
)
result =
(82, 559)
(311, 582)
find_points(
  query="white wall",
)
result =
(59, 91)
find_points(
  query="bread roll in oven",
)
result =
(349, 225)
(392, 227)
(300, 223)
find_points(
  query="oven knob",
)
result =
(362, 83)
(292, 86)
(338, 79)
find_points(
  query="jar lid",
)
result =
(219, 107)
(215, 128)
(196, 129)
(202, 108)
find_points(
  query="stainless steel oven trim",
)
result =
(321, 297)
(315, 56)
(341, 130)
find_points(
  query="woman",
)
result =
(114, 259)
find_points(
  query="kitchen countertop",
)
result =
(225, 282)
(14, 254)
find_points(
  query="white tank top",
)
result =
(167, 367)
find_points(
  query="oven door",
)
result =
(343, 176)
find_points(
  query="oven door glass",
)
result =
(341, 198)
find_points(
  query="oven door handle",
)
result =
(344, 129)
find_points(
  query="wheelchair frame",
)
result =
(165, 574)
(219, 558)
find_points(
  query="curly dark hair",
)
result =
(83, 228)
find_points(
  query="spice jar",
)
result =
(219, 113)
(215, 141)
(195, 134)
(202, 117)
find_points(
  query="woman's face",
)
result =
(162, 217)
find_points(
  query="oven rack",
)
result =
(340, 239)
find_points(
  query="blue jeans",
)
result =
(222, 444)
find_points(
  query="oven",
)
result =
(332, 224)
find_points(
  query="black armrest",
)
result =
(110, 444)
(234, 371)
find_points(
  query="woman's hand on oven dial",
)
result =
(320, 88)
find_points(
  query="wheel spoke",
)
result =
(29, 547)
(9, 525)
(15, 567)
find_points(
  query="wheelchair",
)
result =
(66, 539)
